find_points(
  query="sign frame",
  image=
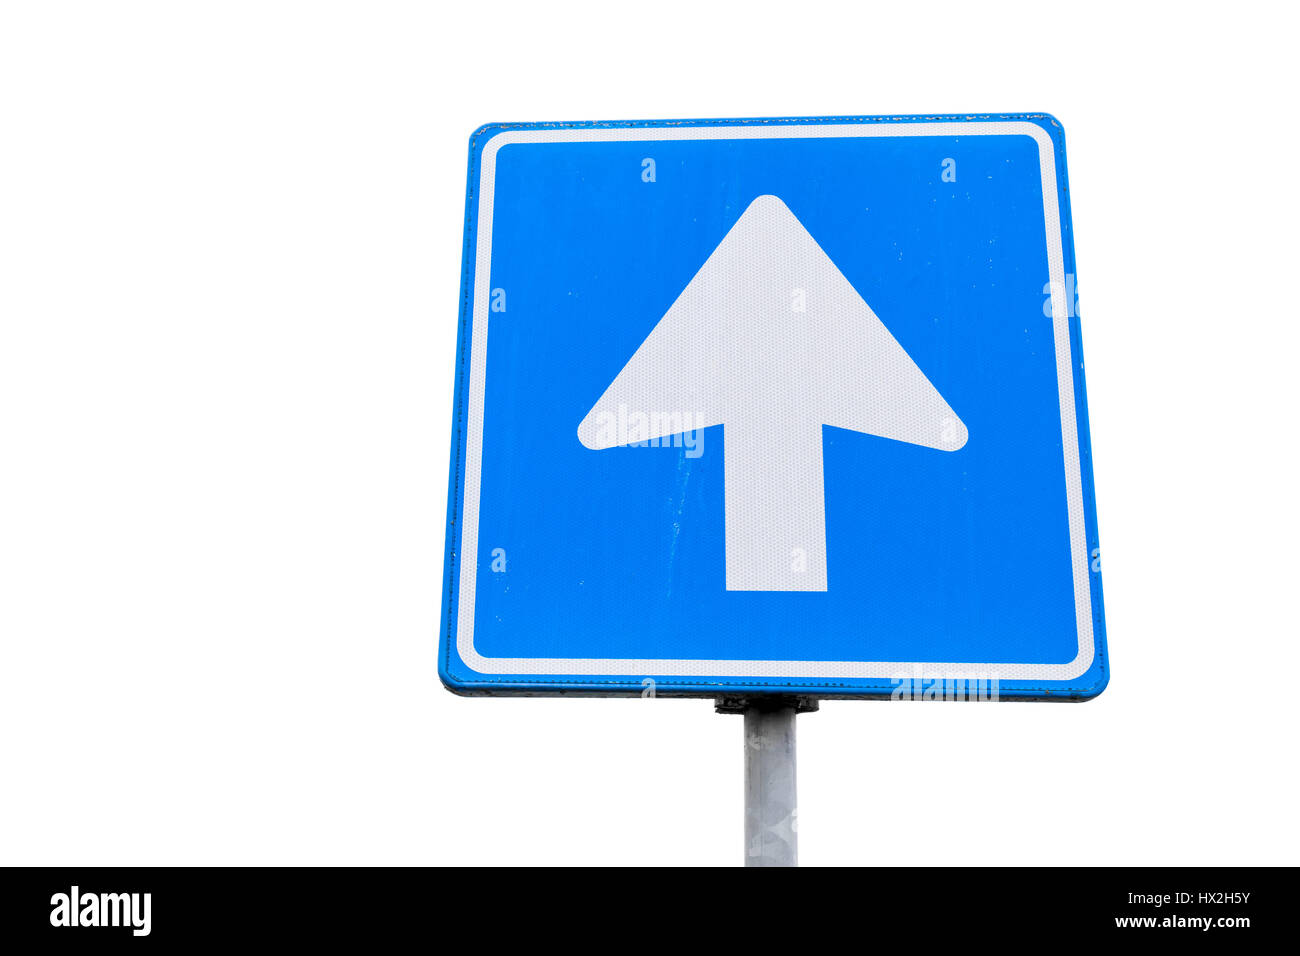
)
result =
(459, 662)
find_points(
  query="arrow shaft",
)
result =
(775, 507)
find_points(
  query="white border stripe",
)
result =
(810, 670)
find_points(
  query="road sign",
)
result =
(771, 407)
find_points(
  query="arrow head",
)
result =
(769, 332)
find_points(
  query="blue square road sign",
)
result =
(789, 406)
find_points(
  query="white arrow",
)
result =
(771, 341)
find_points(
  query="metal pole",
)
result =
(771, 811)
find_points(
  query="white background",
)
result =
(230, 243)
